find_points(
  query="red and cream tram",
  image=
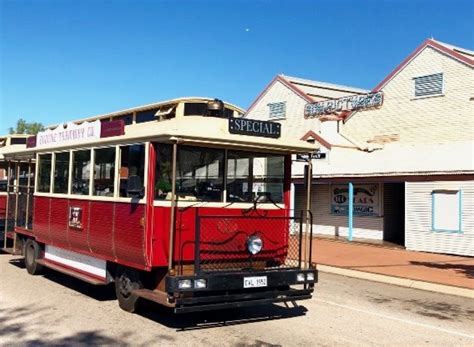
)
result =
(182, 202)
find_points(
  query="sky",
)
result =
(62, 60)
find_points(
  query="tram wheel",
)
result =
(32, 253)
(126, 281)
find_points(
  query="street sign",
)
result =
(308, 156)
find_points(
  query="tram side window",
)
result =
(252, 175)
(61, 173)
(3, 174)
(81, 168)
(104, 172)
(163, 181)
(132, 170)
(199, 173)
(145, 116)
(44, 173)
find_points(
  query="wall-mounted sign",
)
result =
(75, 217)
(112, 128)
(314, 155)
(71, 134)
(253, 127)
(347, 103)
(366, 200)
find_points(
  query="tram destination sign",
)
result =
(253, 127)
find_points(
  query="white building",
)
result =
(410, 160)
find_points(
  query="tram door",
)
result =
(19, 201)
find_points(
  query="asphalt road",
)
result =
(55, 309)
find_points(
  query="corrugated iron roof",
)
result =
(313, 87)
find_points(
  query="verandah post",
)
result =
(351, 209)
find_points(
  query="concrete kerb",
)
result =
(403, 282)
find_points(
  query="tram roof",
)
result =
(192, 130)
(147, 107)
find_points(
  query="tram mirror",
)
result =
(134, 186)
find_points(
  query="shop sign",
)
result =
(253, 127)
(347, 103)
(366, 200)
(70, 134)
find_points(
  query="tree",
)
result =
(22, 127)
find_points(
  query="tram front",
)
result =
(234, 239)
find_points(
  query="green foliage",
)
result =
(22, 127)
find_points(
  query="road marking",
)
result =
(407, 321)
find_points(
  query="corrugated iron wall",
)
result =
(329, 224)
(418, 219)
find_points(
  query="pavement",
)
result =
(440, 273)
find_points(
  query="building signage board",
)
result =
(253, 127)
(308, 156)
(71, 134)
(347, 103)
(366, 200)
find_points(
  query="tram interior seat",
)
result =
(134, 186)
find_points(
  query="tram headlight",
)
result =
(254, 244)
(185, 284)
(200, 283)
(310, 276)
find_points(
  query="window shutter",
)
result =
(277, 110)
(429, 85)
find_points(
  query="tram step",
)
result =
(153, 295)
(71, 272)
(12, 251)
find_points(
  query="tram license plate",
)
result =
(255, 282)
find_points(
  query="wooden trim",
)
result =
(317, 138)
(285, 82)
(388, 179)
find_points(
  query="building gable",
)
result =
(409, 117)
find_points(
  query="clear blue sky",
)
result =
(63, 60)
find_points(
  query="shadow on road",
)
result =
(166, 316)
(24, 326)
(211, 319)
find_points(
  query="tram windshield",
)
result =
(204, 174)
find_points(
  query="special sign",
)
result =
(366, 200)
(253, 127)
(347, 103)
